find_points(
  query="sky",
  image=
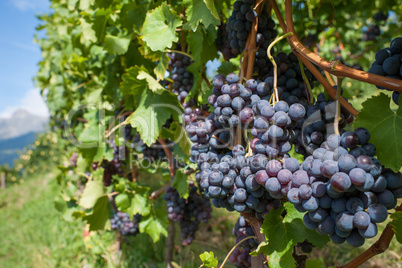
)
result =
(20, 56)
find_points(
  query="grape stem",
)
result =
(235, 246)
(338, 105)
(307, 87)
(276, 97)
(179, 52)
(339, 69)
(378, 247)
(331, 91)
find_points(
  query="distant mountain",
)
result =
(20, 123)
(9, 148)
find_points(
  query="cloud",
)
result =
(36, 5)
(32, 101)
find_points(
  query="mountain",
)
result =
(9, 148)
(20, 123)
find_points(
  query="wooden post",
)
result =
(3, 180)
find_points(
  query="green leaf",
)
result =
(180, 184)
(209, 260)
(397, 225)
(140, 203)
(385, 128)
(282, 234)
(159, 29)
(151, 82)
(131, 85)
(88, 34)
(122, 201)
(93, 190)
(211, 6)
(99, 219)
(162, 66)
(117, 45)
(152, 113)
(153, 226)
(197, 12)
(314, 263)
(227, 67)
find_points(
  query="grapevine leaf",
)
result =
(314, 263)
(209, 260)
(140, 202)
(153, 226)
(93, 190)
(152, 83)
(181, 139)
(131, 85)
(226, 67)
(122, 201)
(99, 219)
(161, 67)
(385, 128)
(152, 112)
(282, 234)
(397, 225)
(180, 184)
(88, 34)
(159, 29)
(211, 6)
(197, 12)
(117, 45)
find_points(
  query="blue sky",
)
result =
(19, 56)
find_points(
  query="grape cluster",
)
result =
(113, 167)
(312, 131)
(73, 159)
(223, 43)
(182, 79)
(121, 221)
(239, 26)
(241, 255)
(188, 212)
(291, 86)
(388, 62)
(371, 33)
(344, 189)
(232, 179)
(380, 16)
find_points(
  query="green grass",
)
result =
(32, 232)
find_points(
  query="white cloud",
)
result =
(35, 5)
(32, 101)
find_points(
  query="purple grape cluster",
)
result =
(182, 79)
(388, 63)
(121, 221)
(223, 43)
(73, 159)
(380, 16)
(291, 86)
(240, 23)
(241, 255)
(371, 33)
(188, 212)
(344, 189)
(318, 124)
(113, 167)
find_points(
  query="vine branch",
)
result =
(339, 69)
(331, 91)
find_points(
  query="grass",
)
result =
(32, 232)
